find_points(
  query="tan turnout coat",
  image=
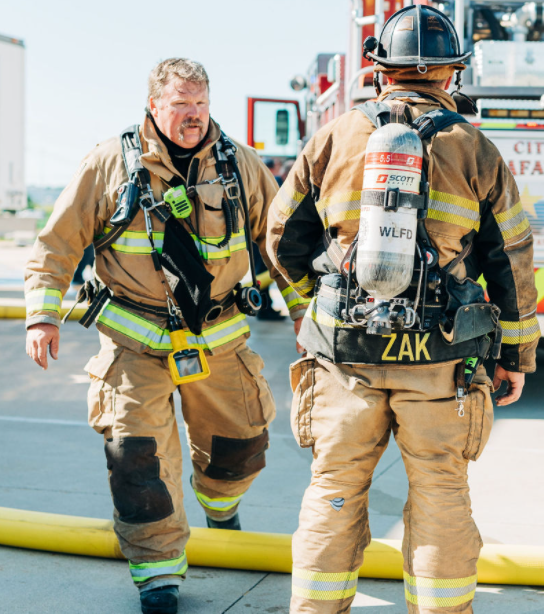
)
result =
(471, 189)
(83, 211)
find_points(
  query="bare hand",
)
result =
(38, 338)
(515, 382)
(298, 325)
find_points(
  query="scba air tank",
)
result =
(387, 228)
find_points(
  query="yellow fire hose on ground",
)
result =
(14, 308)
(498, 564)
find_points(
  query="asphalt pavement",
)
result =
(51, 461)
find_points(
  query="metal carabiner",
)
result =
(231, 186)
(460, 398)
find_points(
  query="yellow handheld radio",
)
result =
(186, 363)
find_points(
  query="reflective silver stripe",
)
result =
(520, 332)
(292, 298)
(146, 332)
(287, 200)
(218, 504)
(337, 212)
(137, 243)
(226, 331)
(318, 585)
(456, 210)
(43, 299)
(237, 242)
(512, 222)
(422, 591)
(178, 568)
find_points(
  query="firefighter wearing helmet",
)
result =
(387, 220)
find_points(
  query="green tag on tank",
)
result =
(178, 201)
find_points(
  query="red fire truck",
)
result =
(505, 78)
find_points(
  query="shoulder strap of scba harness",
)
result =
(427, 125)
(131, 148)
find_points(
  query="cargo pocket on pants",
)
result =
(101, 396)
(259, 402)
(480, 410)
(302, 374)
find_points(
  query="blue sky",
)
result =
(87, 62)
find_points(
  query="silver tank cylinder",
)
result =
(387, 239)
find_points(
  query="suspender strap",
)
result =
(95, 308)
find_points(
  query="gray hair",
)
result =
(185, 69)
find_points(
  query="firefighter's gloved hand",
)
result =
(514, 381)
(38, 338)
(298, 325)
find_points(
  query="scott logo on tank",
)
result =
(383, 178)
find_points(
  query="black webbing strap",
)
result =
(107, 240)
(376, 197)
(131, 148)
(160, 212)
(95, 308)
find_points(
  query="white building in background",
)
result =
(12, 113)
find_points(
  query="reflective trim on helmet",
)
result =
(512, 222)
(236, 243)
(292, 298)
(287, 200)
(145, 571)
(43, 299)
(324, 586)
(454, 210)
(520, 332)
(439, 592)
(218, 504)
(141, 330)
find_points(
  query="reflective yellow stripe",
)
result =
(512, 222)
(136, 242)
(218, 504)
(137, 328)
(287, 200)
(145, 571)
(454, 210)
(539, 282)
(339, 207)
(292, 298)
(438, 601)
(43, 299)
(321, 317)
(304, 285)
(439, 592)
(425, 582)
(324, 586)
(520, 332)
(236, 243)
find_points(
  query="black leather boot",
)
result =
(230, 524)
(162, 600)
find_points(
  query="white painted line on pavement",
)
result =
(70, 422)
(38, 420)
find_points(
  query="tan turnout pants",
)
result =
(346, 414)
(226, 418)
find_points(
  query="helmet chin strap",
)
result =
(377, 84)
(459, 93)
